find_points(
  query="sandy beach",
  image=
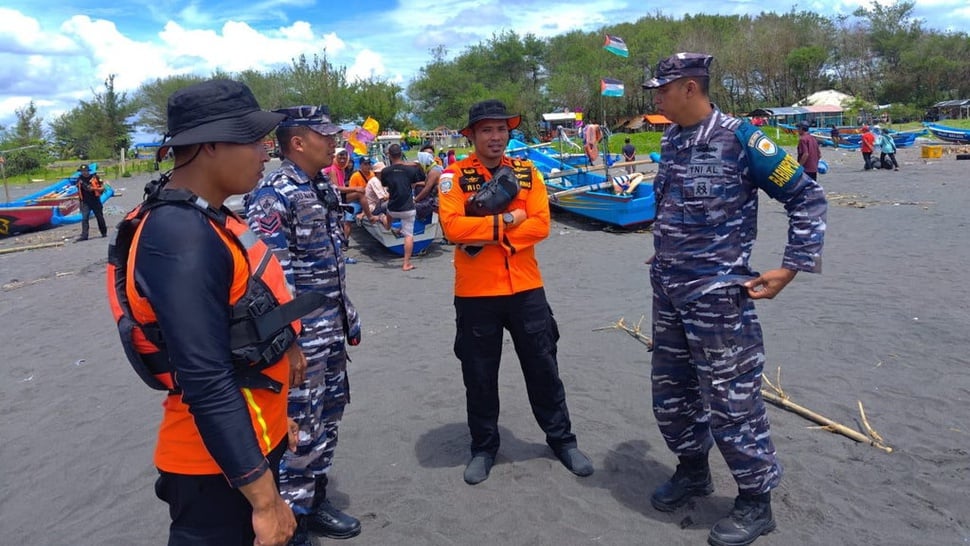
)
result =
(886, 324)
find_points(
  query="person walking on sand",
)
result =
(184, 270)
(867, 146)
(496, 209)
(808, 151)
(708, 350)
(89, 188)
(400, 179)
(296, 210)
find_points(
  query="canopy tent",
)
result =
(829, 97)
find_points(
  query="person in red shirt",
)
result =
(498, 287)
(868, 146)
(808, 151)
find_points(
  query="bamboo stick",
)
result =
(30, 247)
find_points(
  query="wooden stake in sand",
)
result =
(772, 392)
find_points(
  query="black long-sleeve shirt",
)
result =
(185, 271)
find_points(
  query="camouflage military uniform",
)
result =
(708, 354)
(299, 218)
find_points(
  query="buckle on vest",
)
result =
(278, 346)
(260, 305)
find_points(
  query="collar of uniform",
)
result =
(701, 134)
(294, 172)
(477, 163)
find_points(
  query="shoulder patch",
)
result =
(763, 144)
(445, 182)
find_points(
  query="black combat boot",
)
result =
(326, 519)
(691, 479)
(749, 519)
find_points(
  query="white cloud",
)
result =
(22, 34)
(367, 64)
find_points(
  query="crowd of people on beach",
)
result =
(257, 384)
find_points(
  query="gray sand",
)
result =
(885, 324)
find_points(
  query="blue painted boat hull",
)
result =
(949, 134)
(602, 205)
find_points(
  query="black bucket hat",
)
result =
(489, 109)
(216, 111)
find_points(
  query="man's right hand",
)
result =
(274, 525)
(273, 520)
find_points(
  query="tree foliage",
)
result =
(23, 147)
(98, 128)
(879, 54)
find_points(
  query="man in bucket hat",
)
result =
(498, 286)
(708, 351)
(296, 210)
(180, 255)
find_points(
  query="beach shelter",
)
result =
(828, 97)
(825, 107)
(658, 122)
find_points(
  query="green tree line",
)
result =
(880, 55)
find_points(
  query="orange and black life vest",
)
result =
(264, 318)
(97, 187)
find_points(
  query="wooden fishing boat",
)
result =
(52, 206)
(853, 141)
(588, 191)
(425, 232)
(948, 134)
(17, 220)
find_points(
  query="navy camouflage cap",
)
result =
(677, 66)
(314, 117)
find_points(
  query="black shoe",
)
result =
(300, 536)
(749, 519)
(478, 468)
(691, 479)
(79, 239)
(327, 521)
(577, 463)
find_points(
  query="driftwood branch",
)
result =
(773, 393)
(634, 331)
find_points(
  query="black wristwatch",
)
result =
(508, 218)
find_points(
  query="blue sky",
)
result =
(56, 52)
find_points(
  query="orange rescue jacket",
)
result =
(97, 187)
(507, 264)
(180, 448)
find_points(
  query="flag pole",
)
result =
(606, 144)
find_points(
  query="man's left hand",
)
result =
(769, 283)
